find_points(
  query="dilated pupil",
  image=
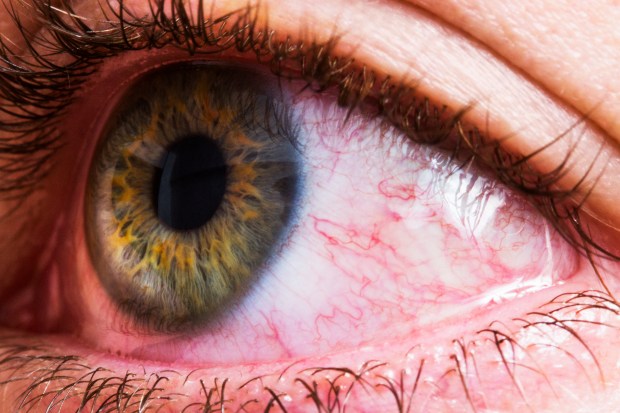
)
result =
(190, 186)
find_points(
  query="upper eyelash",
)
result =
(36, 93)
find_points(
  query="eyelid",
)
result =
(508, 106)
(550, 50)
(454, 70)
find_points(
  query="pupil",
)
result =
(191, 184)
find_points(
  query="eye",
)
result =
(316, 225)
(333, 234)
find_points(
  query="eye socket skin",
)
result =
(549, 351)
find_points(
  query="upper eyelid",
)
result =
(526, 117)
(318, 64)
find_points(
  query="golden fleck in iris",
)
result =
(166, 278)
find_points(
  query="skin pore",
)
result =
(530, 73)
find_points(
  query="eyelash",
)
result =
(38, 93)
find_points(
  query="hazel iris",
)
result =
(194, 184)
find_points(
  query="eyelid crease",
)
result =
(41, 90)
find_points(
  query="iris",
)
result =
(195, 182)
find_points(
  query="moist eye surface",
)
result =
(194, 184)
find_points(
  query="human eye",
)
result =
(412, 251)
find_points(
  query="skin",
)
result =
(534, 70)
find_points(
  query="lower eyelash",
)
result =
(39, 92)
(39, 376)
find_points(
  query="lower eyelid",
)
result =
(46, 367)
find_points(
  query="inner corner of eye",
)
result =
(194, 184)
